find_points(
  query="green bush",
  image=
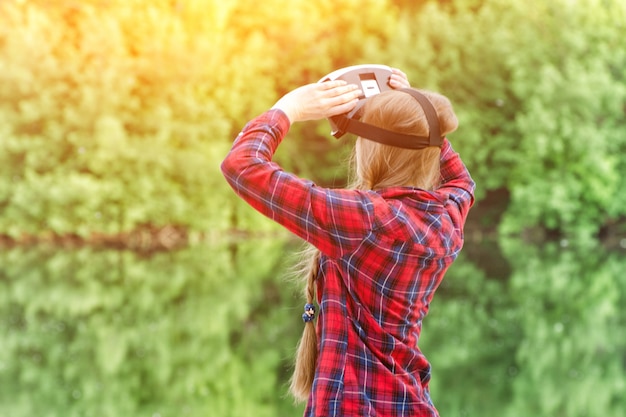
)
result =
(114, 116)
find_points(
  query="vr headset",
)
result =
(374, 79)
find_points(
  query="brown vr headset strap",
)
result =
(387, 137)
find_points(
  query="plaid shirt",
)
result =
(384, 254)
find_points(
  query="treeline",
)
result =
(115, 115)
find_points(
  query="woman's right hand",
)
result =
(319, 100)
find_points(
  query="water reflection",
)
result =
(200, 332)
(209, 331)
(547, 341)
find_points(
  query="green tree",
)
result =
(114, 116)
(540, 93)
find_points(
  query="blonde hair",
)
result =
(376, 166)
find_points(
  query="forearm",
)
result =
(456, 179)
(248, 167)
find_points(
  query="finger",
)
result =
(335, 88)
(340, 104)
(399, 73)
(398, 78)
(346, 97)
(341, 90)
(398, 82)
(343, 108)
(329, 85)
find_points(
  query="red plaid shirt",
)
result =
(384, 254)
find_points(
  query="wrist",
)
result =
(285, 121)
(284, 111)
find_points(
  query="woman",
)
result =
(381, 247)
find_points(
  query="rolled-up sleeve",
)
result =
(457, 184)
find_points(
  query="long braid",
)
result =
(306, 355)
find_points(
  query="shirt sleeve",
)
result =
(334, 221)
(457, 186)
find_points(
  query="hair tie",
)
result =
(309, 313)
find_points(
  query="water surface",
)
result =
(515, 330)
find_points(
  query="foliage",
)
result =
(115, 115)
(540, 92)
(211, 330)
(188, 333)
(544, 339)
(106, 125)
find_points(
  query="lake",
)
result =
(516, 329)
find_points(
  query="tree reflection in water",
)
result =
(210, 330)
(548, 340)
